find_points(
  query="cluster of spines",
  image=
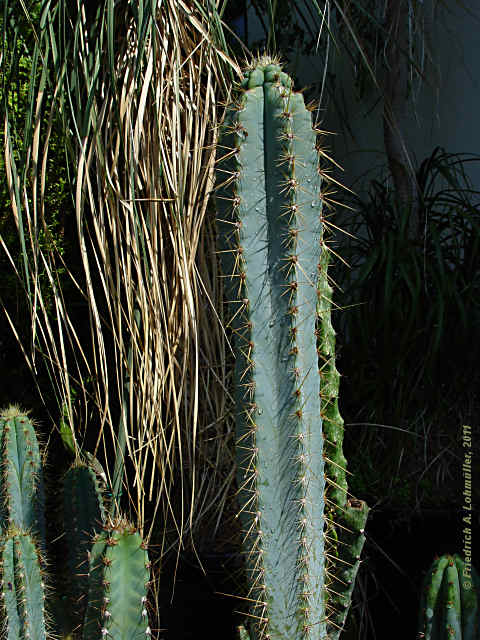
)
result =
(450, 604)
(83, 515)
(119, 574)
(289, 168)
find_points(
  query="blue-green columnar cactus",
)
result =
(118, 582)
(83, 515)
(289, 433)
(22, 486)
(450, 605)
(107, 563)
(23, 588)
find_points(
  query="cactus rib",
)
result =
(23, 587)
(450, 607)
(270, 229)
(346, 517)
(119, 578)
(23, 495)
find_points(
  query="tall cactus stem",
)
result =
(270, 228)
(274, 261)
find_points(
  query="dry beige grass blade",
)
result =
(152, 359)
(153, 171)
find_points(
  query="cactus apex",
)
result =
(262, 61)
(13, 411)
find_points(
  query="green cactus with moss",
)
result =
(107, 561)
(450, 604)
(291, 469)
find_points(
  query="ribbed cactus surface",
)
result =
(118, 582)
(270, 229)
(109, 570)
(22, 486)
(23, 587)
(83, 515)
(450, 605)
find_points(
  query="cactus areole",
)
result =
(270, 232)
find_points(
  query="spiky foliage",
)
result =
(132, 88)
(23, 587)
(271, 230)
(450, 605)
(22, 491)
(118, 581)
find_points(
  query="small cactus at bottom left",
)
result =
(22, 486)
(23, 587)
(119, 570)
